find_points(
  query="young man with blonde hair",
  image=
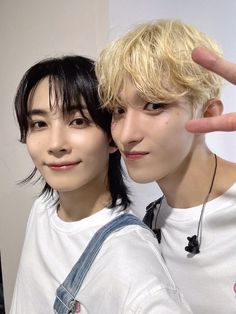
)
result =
(153, 88)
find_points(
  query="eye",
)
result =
(36, 125)
(80, 122)
(154, 106)
(118, 111)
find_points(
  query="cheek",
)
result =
(92, 144)
(172, 131)
(98, 154)
(32, 145)
(100, 148)
(180, 119)
(181, 139)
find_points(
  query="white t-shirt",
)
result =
(208, 279)
(128, 275)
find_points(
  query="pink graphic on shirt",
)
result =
(77, 308)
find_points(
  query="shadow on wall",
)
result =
(2, 308)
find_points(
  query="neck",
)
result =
(189, 185)
(80, 204)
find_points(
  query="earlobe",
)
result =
(112, 147)
(213, 108)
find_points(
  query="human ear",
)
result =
(112, 147)
(214, 107)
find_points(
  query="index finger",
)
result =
(215, 63)
(226, 122)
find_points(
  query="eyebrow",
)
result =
(41, 112)
(74, 110)
(37, 112)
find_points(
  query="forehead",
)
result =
(39, 95)
(49, 93)
(130, 95)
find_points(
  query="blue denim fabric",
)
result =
(66, 293)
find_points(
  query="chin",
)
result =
(61, 188)
(138, 178)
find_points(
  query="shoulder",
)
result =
(135, 252)
(42, 203)
(130, 263)
(41, 207)
(134, 242)
(134, 235)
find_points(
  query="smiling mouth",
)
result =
(66, 166)
(135, 155)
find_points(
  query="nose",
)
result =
(58, 140)
(128, 130)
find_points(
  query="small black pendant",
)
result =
(193, 245)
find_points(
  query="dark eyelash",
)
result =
(118, 110)
(82, 120)
(159, 105)
(40, 124)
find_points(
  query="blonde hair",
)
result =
(156, 56)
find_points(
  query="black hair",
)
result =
(73, 78)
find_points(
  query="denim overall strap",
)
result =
(65, 302)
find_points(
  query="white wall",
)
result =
(31, 30)
(214, 17)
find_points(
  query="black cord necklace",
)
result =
(194, 242)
